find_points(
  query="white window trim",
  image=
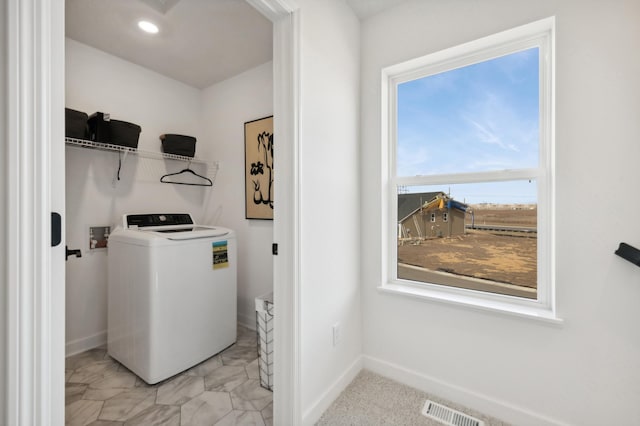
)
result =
(539, 34)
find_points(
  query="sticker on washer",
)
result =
(220, 254)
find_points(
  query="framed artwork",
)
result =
(258, 168)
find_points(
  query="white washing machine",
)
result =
(171, 293)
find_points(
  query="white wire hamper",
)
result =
(264, 331)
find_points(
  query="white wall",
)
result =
(226, 107)
(329, 208)
(586, 372)
(96, 81)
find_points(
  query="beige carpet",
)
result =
(375, 400)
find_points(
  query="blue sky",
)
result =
(509, 192)
(477, 118)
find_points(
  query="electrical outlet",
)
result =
(336, 333)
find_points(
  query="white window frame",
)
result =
(540, 34)
(445, 217)
(433, 217)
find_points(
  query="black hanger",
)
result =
(187, 170)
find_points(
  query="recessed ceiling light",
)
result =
(148, 27)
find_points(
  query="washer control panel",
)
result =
(157, 219)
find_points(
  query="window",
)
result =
(470, 139)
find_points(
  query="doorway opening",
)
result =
(103, 186)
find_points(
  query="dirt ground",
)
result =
(507, 258)
(517, 215)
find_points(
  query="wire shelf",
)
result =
(211, 166)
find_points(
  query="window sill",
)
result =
(476, 303)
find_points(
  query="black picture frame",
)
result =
(258, 163)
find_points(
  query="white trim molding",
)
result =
(286, 224)
(286, 229)
(35, 332)
(4, 247)
(540, 35)
(459, 395)
(84, 344)
(248, 321)
(274, 10)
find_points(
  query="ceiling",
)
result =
(200, 43)
(367, 8)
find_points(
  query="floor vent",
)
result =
(447, 416)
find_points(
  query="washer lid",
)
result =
(170, 226)
(185, 232)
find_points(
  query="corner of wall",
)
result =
(313, 413)
(227, 105)
(85, 343)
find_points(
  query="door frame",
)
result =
(34, 302)
(33, 188)
(286, 225)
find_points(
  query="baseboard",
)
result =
(313, 414)
(80, 345)
(84, 344)
(481, 403)
(248, 321)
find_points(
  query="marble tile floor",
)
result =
(223, 390)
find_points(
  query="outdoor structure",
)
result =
(429, 215)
